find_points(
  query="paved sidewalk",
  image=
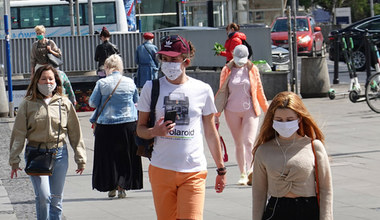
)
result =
(352, 140)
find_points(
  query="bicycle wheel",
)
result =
(372, 92)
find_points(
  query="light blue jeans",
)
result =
(49, 189)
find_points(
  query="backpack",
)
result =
(249, 48)
(144, 146)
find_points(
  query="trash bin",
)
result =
(274, 82)
(315, 80)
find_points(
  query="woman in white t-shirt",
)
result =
(178, 166)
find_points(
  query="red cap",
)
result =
(173, 46)
(148, 36)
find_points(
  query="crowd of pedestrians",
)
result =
(280, 162)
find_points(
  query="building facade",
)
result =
(157, 14)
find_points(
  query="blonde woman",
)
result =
(116, 165)
(41, 48)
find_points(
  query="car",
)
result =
(280, 58)
(310, 40)
(357, 30)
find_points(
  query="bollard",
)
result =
(315, 80)
(336, 59)
(367, 49)
(4, 107)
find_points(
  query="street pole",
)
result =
(295, 49)
(90, 18)
(184, 12)
(71, 13)
(290, 47)
(78, 18)
(8, 59)
(371, 6)
(139, 21)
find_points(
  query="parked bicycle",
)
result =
(372, 90)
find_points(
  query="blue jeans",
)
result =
(49, 189)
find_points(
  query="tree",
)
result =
(306, 3)
(359, 8)
(377, 8)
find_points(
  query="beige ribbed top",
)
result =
(288, 166)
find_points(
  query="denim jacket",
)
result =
(121, 106)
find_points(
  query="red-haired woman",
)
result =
(284, 164)
(234, 38)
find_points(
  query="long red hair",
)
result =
(291, 101)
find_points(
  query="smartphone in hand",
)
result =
(170, 115)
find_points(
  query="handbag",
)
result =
(145, 146)
(101, 110)
(223, 145)
(53, 60)
(40, 163)
(316, 171)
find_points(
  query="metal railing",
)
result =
(77, 51)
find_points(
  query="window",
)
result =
(371, 26)
(104, 13)
(57, 15)
(280, 25)
(15, 23)
(60, 16)
(33, 16)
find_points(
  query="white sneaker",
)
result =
(243, 179)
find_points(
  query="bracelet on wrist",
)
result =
(221, 171)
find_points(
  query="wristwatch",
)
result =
(221, 171)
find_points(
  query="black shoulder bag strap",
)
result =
(154, 96)
(154, 60)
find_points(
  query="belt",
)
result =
(48, 145)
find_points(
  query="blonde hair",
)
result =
(114, 63)
(40, 28)
(291, 101)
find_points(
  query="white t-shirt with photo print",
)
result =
(182, 149)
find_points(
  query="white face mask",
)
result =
(46, 89)
(286, 129)
(172, 70)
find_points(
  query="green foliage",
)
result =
(359, 9)
(218, 48)
(305, 3)
(376, 8)
(328, 5)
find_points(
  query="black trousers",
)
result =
(301, 208)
